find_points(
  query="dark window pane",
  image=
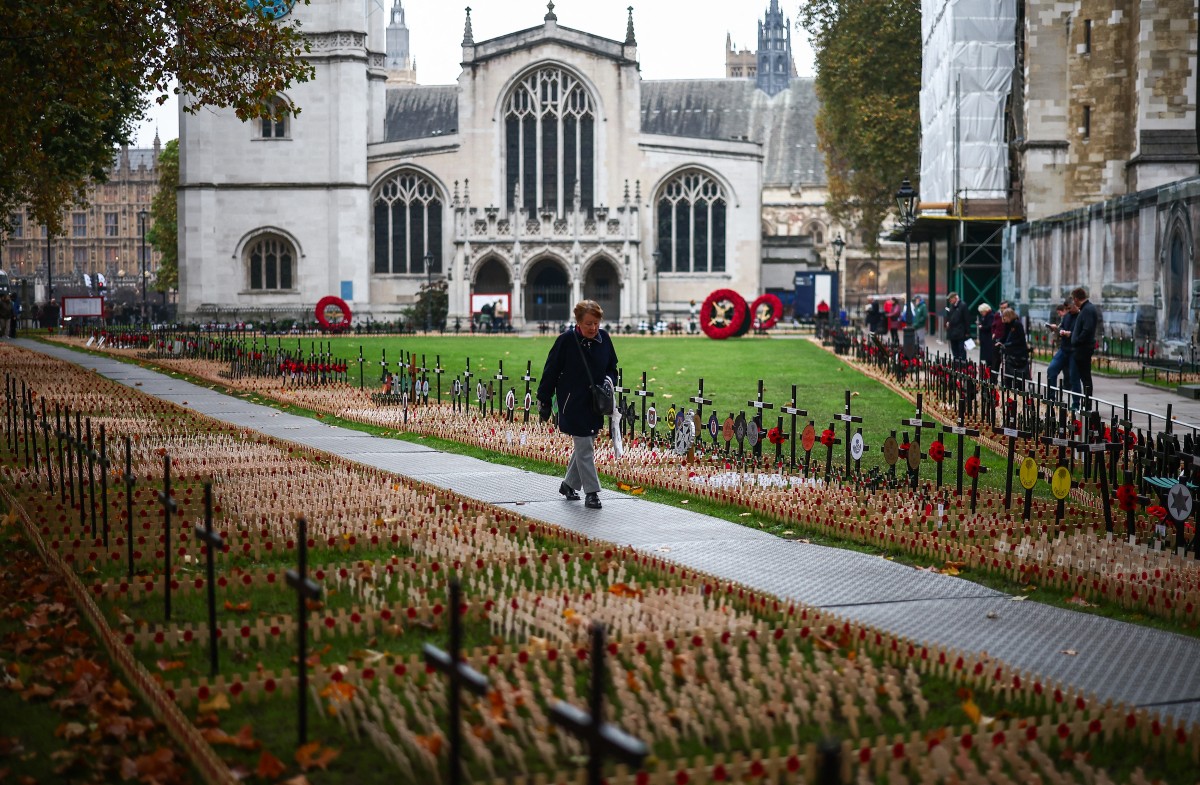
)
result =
(700, 212)
(550, 163)
(272, 280)
(570, 174)
(512, 153)
(529, 175)
(381, 237)
(666, 246)
(285, 270)
(256, 270)
(416, 237)
(683, 238)
(399, 238)
(718, 236)
(586, 162)
(435, 234)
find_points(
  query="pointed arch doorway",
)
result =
(548, 292)
(491, 291)
(602, 283)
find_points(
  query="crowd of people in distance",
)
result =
(891, 317)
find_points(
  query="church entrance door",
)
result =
(602, 284)
(548, 294)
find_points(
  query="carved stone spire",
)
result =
(630, 38)
(468, 36)
(550, 17)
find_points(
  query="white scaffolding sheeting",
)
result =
(968, 55)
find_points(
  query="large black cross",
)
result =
(1097, 445)
(92, 457)
(700, 402)
(759, 405)
(62, 473)
(104, 464)
(130, 481)
(306, 589)
(500, 377)
(829, 447)
(791, 410)
(424, 371)
(602, 739)
(360, 367)
(46, 447)
(438, 370)
(211, 539)
(383, 365)
(847, 418)
(458, 675)
(1013, 433)
(643, 393)
(917, 422)
(528, 378)
(168, 505)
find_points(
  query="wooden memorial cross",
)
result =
(79, 446)
(46, 447)
(528, 378)
(458, 675)
(700, 402)
(847, 418)
(306, 589)
(210, 539)
(759, 405)
(104, 464)
(423, 370)
(791, 410)
(130, 481)
(980, 469)
(361, 360)
(918, 422)
(1013, 433)
(501, 378)
(168, 505)
(29, 437)
(643, 393)
(1097, 445)
(858, 446)
(1131, 513)
(92, 457)
(62, 464)
(835, 440)
(383, 366)
(438, 370)
(602, 739)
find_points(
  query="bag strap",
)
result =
(579, 346)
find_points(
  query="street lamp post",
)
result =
(906, 202)
(142, 215)
(657, 267)
(428, 292)
(49, 268)
(839, 245)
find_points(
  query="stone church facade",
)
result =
(551, 171)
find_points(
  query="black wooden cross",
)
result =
(700, 402)
(1056, 437)
(80, 444)
(92, 457)
(458, 675)
(211, 539)
(424, 371)
(1097, 445)
(62, 473)
(759, 405)
(643, 393)
(438, 370)
(501, 378)
(529, 379)
(917, 422)
(602, 739)
(130, 481)
(168, 505)
(360, 367)
(46, 447)
(306, 589)
(1131, 513)
(791, 410)
(847, 418)
(467, 381)
(975, 480)
(104, 464)
(1013, 433)
(829, 447)
(383, 365)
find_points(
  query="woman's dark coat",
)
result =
(564, 377)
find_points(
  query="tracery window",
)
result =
(270, 259)
(274, 124)
(691, 224)
(408, 225)
(549, 142)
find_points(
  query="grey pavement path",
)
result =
(1114, 660)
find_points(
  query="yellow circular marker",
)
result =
(1060, 483)
(1029, 473)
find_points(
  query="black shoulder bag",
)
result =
(601, 398)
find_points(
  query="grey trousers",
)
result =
(581, 471)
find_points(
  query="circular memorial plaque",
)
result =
(914, 456)
(714, 427)
(651, 417)
(739, 428)
(891, 451)
(752, 432)
(1179, 502)
(856, 446)
(685, 437)
(727, 429)
(672, 418)
(528, 401)
(1060, 483)
(808, 437)
(510, 400)
(1029, 473)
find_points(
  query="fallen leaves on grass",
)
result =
(314, 755)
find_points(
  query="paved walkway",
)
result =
(1114, 660)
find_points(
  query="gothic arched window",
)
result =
(274, 124)
(549, 142)
(270, 259)
(408, 225)
(691, 224)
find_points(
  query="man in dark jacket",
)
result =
(956, 326)
(1083, 339)
(1063, 361)
(566, 378)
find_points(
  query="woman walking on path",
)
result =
(567, 378)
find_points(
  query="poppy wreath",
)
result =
(904, 447)
(723, 314)
(937, 452)
(827, 437)
(972, 467)
(1127, 498)
(776, 436)
(1158, 511)
(327, 302)
(767, 310)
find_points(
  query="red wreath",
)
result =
(733, 315)
(904, 449)
(937, 452)
(1127, 498)
(776, 436)
(330, 301)
(1158, 511)
(827, 437)
(972, 467)
(771, 304)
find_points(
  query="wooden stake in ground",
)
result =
(306, 590)
(847, 418)
(602, 739)
(168, 505)
(459, 675)
(211, 539)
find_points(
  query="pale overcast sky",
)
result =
(676, 40)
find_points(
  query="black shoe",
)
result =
(592, 501)
(569, 492)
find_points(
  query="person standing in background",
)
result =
(1063, 361)
(920, 320)
(998, 331)
(8, 316)
(956, 326)
(1083, 340)
(986, 350)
